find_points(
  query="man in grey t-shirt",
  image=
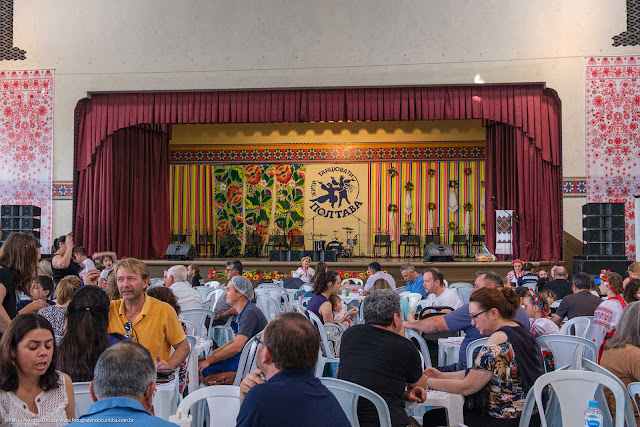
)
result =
(581, 303)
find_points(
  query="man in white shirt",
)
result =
(375, 271)
(81, 257)
(176, 280)
(439, 294)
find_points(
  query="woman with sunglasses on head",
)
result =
(607, 315)
(506, 366)
(32, 391)
(86, 336)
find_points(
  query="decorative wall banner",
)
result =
(327, 153)
(239, 200)
(504, 232)
(613, 135)
(26, 143)
(429, 199)
(331, 191)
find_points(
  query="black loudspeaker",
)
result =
(328, 256)
(438, 253)
(7, 231)
(604, 249)
(310, 254)
(608, 222)
(180, 252)
(20, 222)
(19, 210)
(596, 235)
(294, 255)
(600, 209)
(277, 255)
(594, 267)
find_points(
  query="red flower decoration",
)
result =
(234, 194)
(253, 174)
(283, 173)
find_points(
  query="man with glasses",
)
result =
(460, 320)
(415, 281)
(145, 320)
(286, 357)
(251, 320)
(223, 310)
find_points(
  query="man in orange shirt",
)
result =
(146, 320)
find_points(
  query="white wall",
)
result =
(125, 45)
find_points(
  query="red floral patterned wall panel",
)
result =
(612, 113)
(26, 142)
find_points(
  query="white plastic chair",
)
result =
(629, 416)
(269, 306)
(348, 395)
(471, 347)
(424, 350)
(401, 289)
(191, 327)
(213, 284)
(204, 291)
(326, 355)
(420, 303)
(352, 282)
(247, 360)
(578, 326)
(574, 389)
(156, 282)
(634, 390)
(197, 316)
(82, 397)
(569, 350)
(464, 291)
(222, 334)
(414, 298)
(276, 292)
(212, 298)
(223, 402)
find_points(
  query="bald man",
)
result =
(561, 286)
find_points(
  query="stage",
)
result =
(462, 270)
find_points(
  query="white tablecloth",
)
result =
(352, 297)
(165, 400)
(448, 350)
(452, 402)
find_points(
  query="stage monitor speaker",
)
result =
(180, 252)
(311, 254)
(277, 255)
(294, 255)
(438, 253)
(328, 256)
(7, 231)
(599, 209)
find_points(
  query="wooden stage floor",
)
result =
(460, 270)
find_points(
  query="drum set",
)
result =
(345, 251)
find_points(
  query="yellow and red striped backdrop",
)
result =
(384, 190)
(192, 198)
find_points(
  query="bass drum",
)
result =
(335, 246)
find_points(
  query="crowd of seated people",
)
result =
(134, 330)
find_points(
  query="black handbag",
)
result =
(477, 401)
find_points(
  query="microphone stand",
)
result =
(359, 236)
(313, 229)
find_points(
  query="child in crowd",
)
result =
(107, 263)
(537, 310)
(522, 291)
(41, 290)
(542, 273)
(339, 311)
(549, 297)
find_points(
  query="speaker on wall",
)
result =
(180, 252)
(311, 254)
(277, 255)
(438, 253)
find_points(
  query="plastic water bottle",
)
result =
(593, 415)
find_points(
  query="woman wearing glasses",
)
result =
(87, 320)
(506, 366)
(32, 391)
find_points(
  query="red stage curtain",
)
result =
(531, 109)
(124, 197)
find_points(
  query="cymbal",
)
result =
(347, 228)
